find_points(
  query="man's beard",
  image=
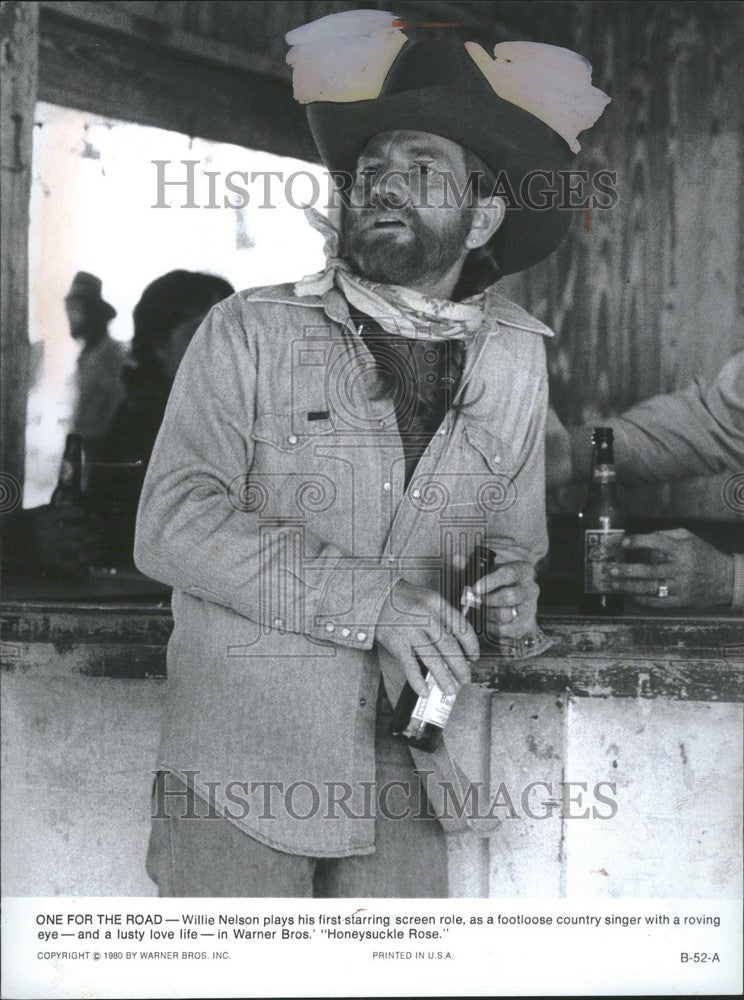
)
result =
(414, 256)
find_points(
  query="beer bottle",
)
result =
(603, 526)
(421, 719)
(69, 489)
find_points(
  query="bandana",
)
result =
(398, 310)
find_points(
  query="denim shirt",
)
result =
(275, 505)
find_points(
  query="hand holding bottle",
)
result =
(507, 592)
(444, 641)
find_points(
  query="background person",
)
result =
(97, 379)
(67, 540)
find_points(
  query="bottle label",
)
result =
(434, 708)
(601, 550)
(604, 474)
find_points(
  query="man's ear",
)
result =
(487, 217)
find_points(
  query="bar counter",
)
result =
(647, 705)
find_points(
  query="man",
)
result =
(696, 431)
(310, 498)
(98, 385)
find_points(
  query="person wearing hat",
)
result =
(98, 386)
(331, 452)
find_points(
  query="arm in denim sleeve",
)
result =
(698, 431)
(519, 531)
(196, 530)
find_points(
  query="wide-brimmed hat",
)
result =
(437, 83)
(87, 287)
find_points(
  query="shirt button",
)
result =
(278, 623)
(329, 627)
(362, 702)
(292, 439)
(361, 636)
(416, 494)
(387, 487)
(497, 459)
(346, 632)
(442, 430)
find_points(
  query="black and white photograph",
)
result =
(372, 497)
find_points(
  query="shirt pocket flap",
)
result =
(289, 431)
(496, 453)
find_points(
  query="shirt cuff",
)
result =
(349, 607)
(738, 600)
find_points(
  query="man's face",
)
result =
(79, 316)
(388, 234)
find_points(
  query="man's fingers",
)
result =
(505, 597)
(503, 616)
(461, 628)
(438, 668)
(655, 540)
(504, 576)
(635, 571)
(451, 647)
(451, 652)
(648, 587)
(413, 674)
(661, 602)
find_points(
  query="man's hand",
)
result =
(444, 639)
(695, 573)
(509, 593)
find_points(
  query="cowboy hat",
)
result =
(87, 288)
(439, 84)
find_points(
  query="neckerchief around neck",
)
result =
(398, 310)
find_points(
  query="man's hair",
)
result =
(481, 268)
(168, 301)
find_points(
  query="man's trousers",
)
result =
(214, 857)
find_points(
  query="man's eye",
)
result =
(424, 169)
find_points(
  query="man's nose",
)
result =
(391, 189)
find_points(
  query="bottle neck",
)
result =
(482, 562)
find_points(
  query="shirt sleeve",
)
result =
(519, 531)
(698, 431)
(195, 527)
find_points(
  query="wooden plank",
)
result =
(650, 657)
(112, 74)
(151, 29)
(18, 74)
(626, 676)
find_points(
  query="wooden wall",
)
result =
(651, 295)
(18, 33)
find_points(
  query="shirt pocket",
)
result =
(489, 468)
(289, 474)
